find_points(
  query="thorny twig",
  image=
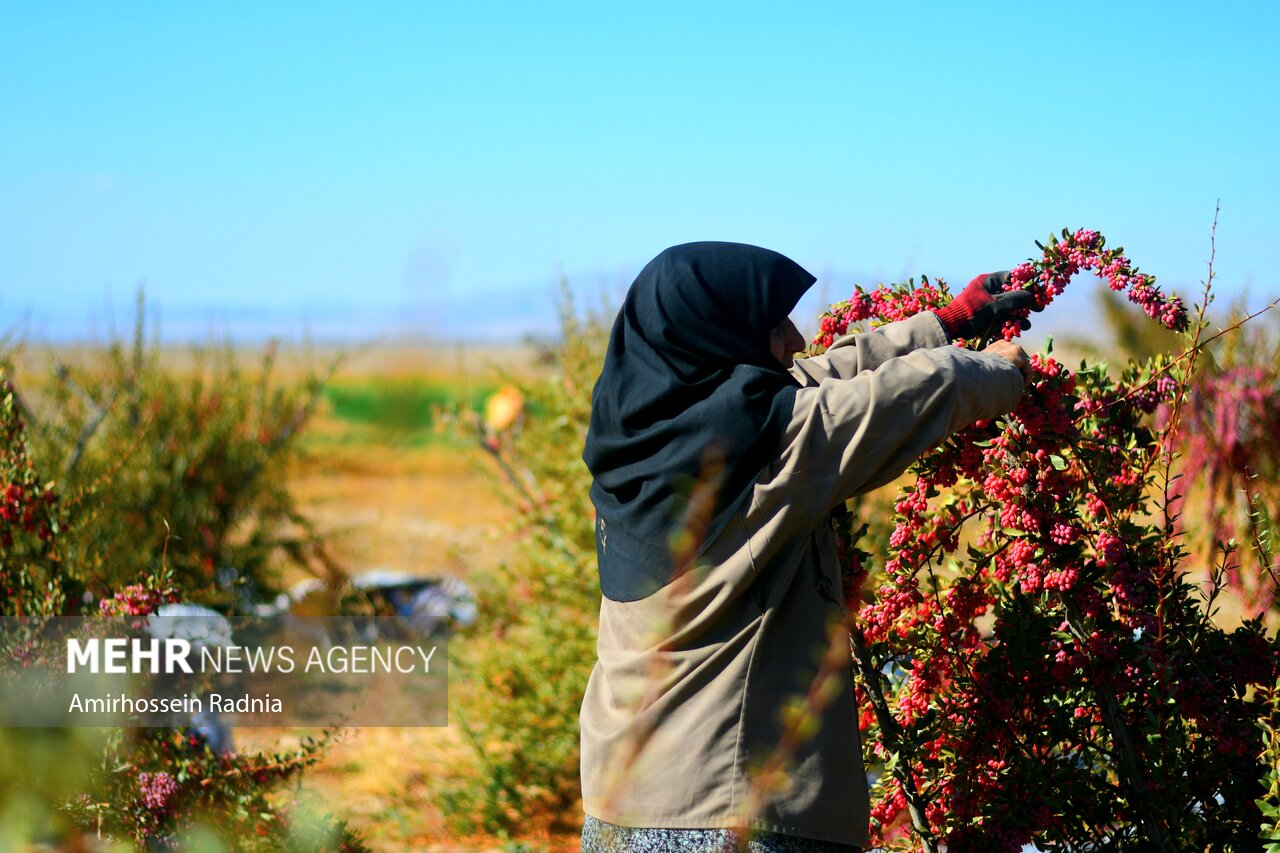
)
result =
(1261, 545)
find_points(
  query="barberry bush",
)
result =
(1038, 658)
(1038, 663)
(184, 453)
(135, 496)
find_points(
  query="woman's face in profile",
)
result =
(785, 341)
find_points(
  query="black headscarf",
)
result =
(688, 369)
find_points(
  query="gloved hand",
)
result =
(983, 307)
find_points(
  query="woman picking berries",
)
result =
(717, 462)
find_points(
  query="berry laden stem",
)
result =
(1044, 277)
(891, 733)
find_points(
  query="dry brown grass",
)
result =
(429, 510)
(377, 779)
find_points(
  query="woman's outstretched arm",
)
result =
(848, 436)
(855, 353)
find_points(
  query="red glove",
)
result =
(983, 307)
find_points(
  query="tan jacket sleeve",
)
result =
(847, 436)
(852, 354)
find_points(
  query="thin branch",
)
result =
(90, 429)
(892, 734)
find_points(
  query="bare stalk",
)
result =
(90, 428)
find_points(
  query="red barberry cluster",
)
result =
(882, 305)
(1084, 250)
(1045, 277)
(30, 516)
(137, 600)
(157, 791)
(25, 506)
(1046, 655)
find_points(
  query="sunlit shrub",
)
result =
(187, 460)
(518, 678)
(133, 489)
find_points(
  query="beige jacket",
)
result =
(684, 702)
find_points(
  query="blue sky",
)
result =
(352, 169)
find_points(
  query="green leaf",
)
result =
(1058, 462)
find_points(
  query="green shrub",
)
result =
(141, 485)
(519, 677)
(192, 460)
